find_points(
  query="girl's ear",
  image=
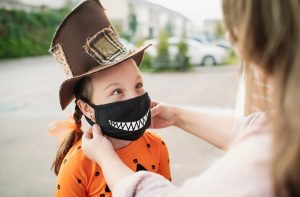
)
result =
(86, 109)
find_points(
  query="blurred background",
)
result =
(190, 64)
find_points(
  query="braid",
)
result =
(66, 145)
(83, 89)
(77, 117)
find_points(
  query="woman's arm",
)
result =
(213, 128)
(123, 182)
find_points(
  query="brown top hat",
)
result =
(85, 43)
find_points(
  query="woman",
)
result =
(263, 156)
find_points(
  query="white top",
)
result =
(242, 171)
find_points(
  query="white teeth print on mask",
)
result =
(124, 120)
(130, 126)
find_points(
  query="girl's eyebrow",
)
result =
(112, 84)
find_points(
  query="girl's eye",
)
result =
(139, 85)
(117, 92)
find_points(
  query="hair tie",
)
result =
(62, 128)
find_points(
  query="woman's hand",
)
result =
(162, 115)
(213, 128)
(95, 145)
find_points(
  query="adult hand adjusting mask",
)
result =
(125, 120)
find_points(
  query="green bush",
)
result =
(163, 56)
(232, 58)
(27, 33)
(182, 59)
(146, 64)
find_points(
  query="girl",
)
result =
(108, 89)
(263, 156)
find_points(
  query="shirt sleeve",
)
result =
(164, 167)
(235, 174)
(144, 184)
(243, 123)
(243, 168)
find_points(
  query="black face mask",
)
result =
(124, 120)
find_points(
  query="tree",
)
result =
(219, 31)
(170, 28)
(182, 59)
(132, 23)
(163, 56)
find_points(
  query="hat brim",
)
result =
(67, 87)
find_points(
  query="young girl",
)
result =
(108, 89)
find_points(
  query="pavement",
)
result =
(29, 102)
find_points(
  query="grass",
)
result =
(232, 59)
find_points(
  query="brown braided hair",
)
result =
(83, 91)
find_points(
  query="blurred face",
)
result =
(118, 83)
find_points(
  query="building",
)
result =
(151, 18)
(19, 5)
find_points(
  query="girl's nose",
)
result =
(132, 94)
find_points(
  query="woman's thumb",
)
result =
(96, 131)
(155, 110)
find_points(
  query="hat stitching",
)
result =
(58, 52)
(105, 47)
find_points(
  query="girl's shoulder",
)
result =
(154, 139)
(75, 154)
(78, 174)
(76, 164)
(151, 135)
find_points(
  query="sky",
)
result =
(196, 10)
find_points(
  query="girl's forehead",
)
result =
(121, 73)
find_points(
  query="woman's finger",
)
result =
(153, 103)
(97, 131)
(88, 134)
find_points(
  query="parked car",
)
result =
(223, 43)
(198, 53)
(209, 39)
(203, 37)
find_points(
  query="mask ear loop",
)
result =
(88, 119)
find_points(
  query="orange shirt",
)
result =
(79, 176)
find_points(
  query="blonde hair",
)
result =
(267, 33)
